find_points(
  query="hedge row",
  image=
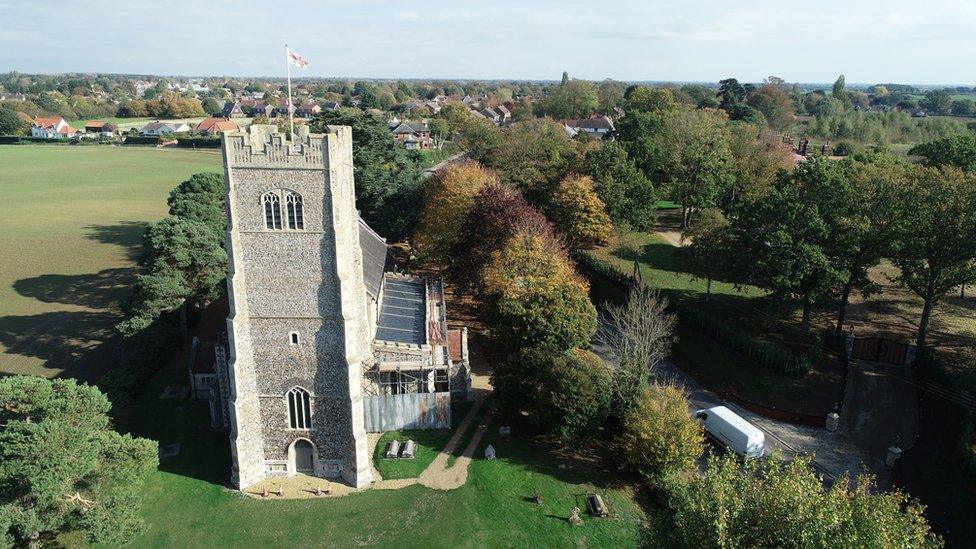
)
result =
(198, 142)
(140, 140)
(768, 354)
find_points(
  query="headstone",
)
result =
(169, 450)
(574, 517)
(490, 452)
(409, 447)
(894, 453)
(505, 430)
(833, 421)
(393, 449)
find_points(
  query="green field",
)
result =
(71, 220)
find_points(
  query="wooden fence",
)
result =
(410, 411)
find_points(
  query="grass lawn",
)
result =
(71, 224)
(187, 506)
(745, 308)
(429, 444)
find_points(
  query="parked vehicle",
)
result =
(733, 432)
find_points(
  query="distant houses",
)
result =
(100, 127)
(232, 110)
(595, 126)
(216, 125)
(157, 129)
(52, 127)
(413, 134)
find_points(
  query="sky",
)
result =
(869, 42)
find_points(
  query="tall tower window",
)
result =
(299, 411)
(293, 204)
(272, 211)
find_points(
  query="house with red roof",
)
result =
(52, 127)
(215, 125)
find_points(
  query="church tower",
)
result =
(298, 330)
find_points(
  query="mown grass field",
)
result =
(71, 223)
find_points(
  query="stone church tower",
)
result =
(298, 330)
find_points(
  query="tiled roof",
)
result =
(46, 121)
(376, 258)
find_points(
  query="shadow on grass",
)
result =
(127, 234)
(102, 290)
(78, 343)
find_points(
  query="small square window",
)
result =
(294, 338)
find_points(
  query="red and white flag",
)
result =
(296, 59)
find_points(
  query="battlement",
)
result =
(263, 146)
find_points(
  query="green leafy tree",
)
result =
(387, 177)
(695, 158)
(610, 94)
(201, 198)
(839, 89)
(185, 265)
(533, 157)
(627, 193)
(783, 504)
(572, 99)
(12, 123)
(782, 241)
(649, 100)
(63, 468)
(210, 106)
(711, 248)
(658, 437)
(565, 392)
(937, 101)
(580, 214)
(730, 92)
(954, 150)
(935, 236)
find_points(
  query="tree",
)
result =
(710, 247)
(954, 150)
(781, 239)
(533, 157)
(695, 158)
(479, 138)
(580, 213)
(185, 264)
(730, 92)
(756, 163)
(210, 106)
(775, 105)
(387, 178)
(627, 193)
(12, 123)
(448, 196)
(565, 79)
(838, 90)
(638, 336)
(572, 99)
(62, 466)
(644, 99)
(201, 198)
(937, 101)
(565, 392)
(496, 214)
(935, 236)
(658, 437)
(610, 94)
(536, 296)
(783, 504)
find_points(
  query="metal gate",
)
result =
(879, 349)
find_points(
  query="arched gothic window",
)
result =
(293, 204)
(299, 410)
(272, 211)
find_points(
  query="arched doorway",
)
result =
(303, 457)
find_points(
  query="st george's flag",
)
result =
(296, 59)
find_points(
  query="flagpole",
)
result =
(291, 117)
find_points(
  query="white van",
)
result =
(733, 432)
